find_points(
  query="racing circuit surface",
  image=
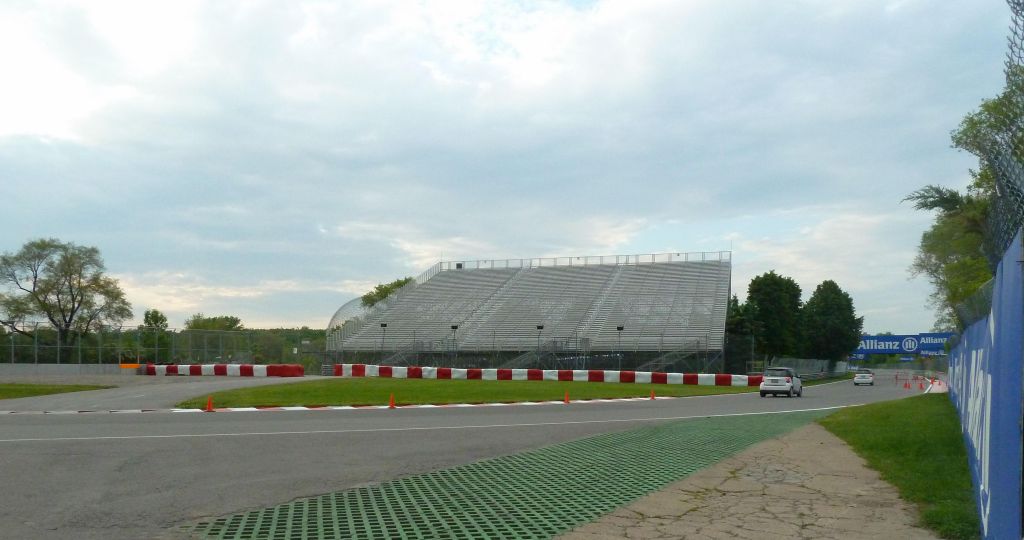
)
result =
(144, 475)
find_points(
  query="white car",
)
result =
(864, 376)
(781, 380)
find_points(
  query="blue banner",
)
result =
(985, 385)
(906, 344)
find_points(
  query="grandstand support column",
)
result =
(455, 346)
(618, 346)
(540, 328)
(383, 332)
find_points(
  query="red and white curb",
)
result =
(573, 375)
(226, 370)
(347, 407)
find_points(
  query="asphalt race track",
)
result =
(112, 476)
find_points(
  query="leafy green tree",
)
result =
(951, 253)
(154, 319)
(222, 322)
(739, 319)
(829, 325)
(62, 282)
(773, 302)
(382, 291)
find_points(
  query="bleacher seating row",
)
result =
(660, 306)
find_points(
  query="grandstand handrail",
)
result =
(586, 260)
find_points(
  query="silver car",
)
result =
(781, 380)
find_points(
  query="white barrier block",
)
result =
(520, 374)
(259, 370)
(458, 373)
(184, 370)
(399, 372)
(643, 377)
(705, 379)
(489, 374)
(612, 376)
(550, 374)
(674, 378)
(580, 375)
(161, 370)
(234, 370)
(372, 371)
(429, 372)
(207, 369)
(740, 380)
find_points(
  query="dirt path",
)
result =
(807, 484)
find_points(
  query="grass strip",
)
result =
(377, 391)
(19, 390)
(917, 446)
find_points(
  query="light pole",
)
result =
(539, 328)
(383, 332)
(619, 346)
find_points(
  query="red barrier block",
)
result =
(535, 374)
(172, 370)
(627, 376)
(690, 378)
(150, 369)
(339, 370)
(285, 370)
(384, 372)
(474, 374)
(444, 373)
(245, 370)
(595, 375)
(659, 378)
(195, 370)
(723, 379)
(414, 372)
(565, 374)
(220, 369)
(504, 374)
(358, 370)
(754, 380)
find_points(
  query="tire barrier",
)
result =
(227, 370)
(578, 375)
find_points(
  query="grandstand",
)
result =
(627, 311)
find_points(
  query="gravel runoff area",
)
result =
(807, 484)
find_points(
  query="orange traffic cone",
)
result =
(566, 397)
(391, 402)
(652, 394)
(209, 404)
(920, 386)
(906, 385)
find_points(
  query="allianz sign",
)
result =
(905, 344)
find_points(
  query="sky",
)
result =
(273, 160)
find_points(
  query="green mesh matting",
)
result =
(535, 494)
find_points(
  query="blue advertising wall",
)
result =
(985, 385)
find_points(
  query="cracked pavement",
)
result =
(807, 484)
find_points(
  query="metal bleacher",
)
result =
(662, 302)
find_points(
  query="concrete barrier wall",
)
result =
(985, 385)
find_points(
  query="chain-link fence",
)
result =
(1000, 146)
(40, 343)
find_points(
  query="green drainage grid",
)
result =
(535, 494)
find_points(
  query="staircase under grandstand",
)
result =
(663, 311)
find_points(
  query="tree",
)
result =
(222, 322)
(62, 282)
(154, 319)
(382, 291)
(773, 303)
(829, 326)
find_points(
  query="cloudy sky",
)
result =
(272, 160)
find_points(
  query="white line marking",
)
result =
(386, 430)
